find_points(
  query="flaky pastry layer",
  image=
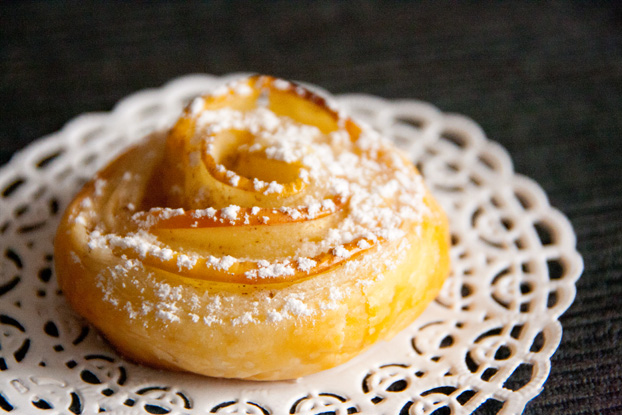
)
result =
(265, 236)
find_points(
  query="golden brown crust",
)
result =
(266, 236)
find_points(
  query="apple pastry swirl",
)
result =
(265, 236)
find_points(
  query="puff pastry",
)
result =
(265, 236)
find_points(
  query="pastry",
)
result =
(265, 236)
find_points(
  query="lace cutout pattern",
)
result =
(485, 342)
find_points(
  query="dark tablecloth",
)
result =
(544, 79)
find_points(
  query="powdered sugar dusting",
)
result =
(297, 308)
(230, 212)
(100, 185)
(363, 244)
(305, 264)
(271, 270)
(351, 194)
(223, 263)
(185, 261)
(274, 187)
(210, 212)
(341, 252)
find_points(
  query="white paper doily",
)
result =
(485, 343)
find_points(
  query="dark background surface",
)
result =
(544, 79)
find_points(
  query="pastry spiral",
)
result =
(265, 236)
